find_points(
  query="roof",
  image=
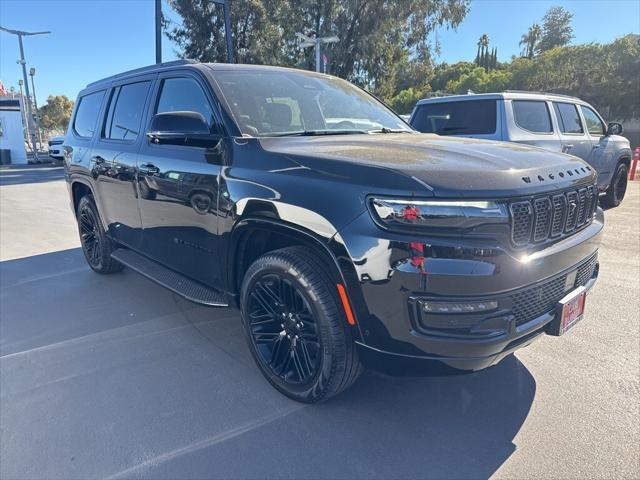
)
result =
(179, 63)
(142, 70)
(506, 95)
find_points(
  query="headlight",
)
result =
(436, 214)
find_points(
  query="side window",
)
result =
(532, 116)
(568, 118)
(594, 124)
(125, 111)
(184, 94)
(84, 123)
(451, 118)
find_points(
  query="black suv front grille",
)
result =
(552, 216)
(532, 302)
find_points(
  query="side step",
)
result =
(183, 286)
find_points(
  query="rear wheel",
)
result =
(616, 191)
(297, 334)
(96, 246)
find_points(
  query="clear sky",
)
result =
(91, 39)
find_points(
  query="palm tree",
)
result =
(483, 48)
(530, 40)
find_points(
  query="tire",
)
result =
(618, 187)
(96, 246)
(297, 334)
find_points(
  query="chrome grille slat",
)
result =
(552, 216)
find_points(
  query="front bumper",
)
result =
(393, 278)
(56, 151)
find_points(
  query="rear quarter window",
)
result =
(84, 123)
(532, 116)
(451, 118)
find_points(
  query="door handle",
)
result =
(148, 168)
(567, 147)
(98, 159)
(596, 146)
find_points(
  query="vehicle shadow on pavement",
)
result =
(116, 377)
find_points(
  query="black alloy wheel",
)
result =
(283, 328)
(296, 327)
(96, 246)
(616, 191)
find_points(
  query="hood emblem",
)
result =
(571, 173)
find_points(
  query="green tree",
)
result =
(530, 40)
(444, 73)
(481, 81)
(483, 49)
(405, 100)
(556, 29)
(382, 43)
(56, 112)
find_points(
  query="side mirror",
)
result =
(614, 128)
(181, 128)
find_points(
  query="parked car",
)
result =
(550, 121)
(342, 247)
(55, 147)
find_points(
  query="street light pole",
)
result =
(315, 41)
(22, 62)
(32, 73)
(158, 31)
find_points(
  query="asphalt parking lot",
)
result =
(115, 377)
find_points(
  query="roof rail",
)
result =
(539, 93)
(148, 68)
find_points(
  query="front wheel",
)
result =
(297, 334)
(617, 189)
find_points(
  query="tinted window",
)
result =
(594, 124)
(289, 102)
(450, 118)
(184, 94)
(125, 111)
(532, 116)
(87, 114)
(568, 118)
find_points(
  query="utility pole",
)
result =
(22, 62)
(227, 28)
(315, 41)
(158, 31)
(32, 73)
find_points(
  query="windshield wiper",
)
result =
(311, 133)
(390, 130)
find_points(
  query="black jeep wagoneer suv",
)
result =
(345, 238)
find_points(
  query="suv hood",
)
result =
(445, 166)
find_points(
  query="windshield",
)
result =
(284, 102)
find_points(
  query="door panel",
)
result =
(178, 207)
(178, 187)
(573, 135)
(602, 148)
(114, 158)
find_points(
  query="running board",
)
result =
(177, 283)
